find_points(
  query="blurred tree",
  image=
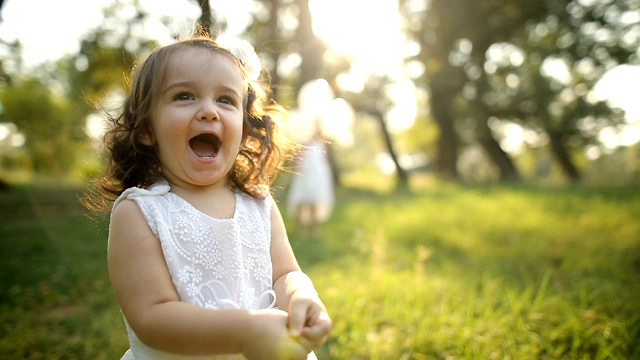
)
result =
(109, 51)
(566, 54)
(50, 104)
(433, 27)
(268, 39)
(587, 38)
(206, 17)
(284, 28)
(454, 37)
(457, 38)
(310, 46)
(39, 112)
(491, 23)
(271, 41)
(374, 102)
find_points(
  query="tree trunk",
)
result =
(333, 164)
(275, 53)
(403, 178)
(448, 141)
(311, 47)
(562, 156)
(506, 168)
(206, 20)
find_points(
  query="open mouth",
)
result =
(205, 145)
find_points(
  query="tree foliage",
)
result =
(486, 60)
(43, 115)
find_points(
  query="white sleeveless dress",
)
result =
(312, 184)
(214, 263)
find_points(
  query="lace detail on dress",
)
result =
(212, 259)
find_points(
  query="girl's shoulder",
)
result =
(127, 218)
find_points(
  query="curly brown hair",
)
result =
(133, 164)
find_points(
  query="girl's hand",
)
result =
(269, 338)
(309, 321)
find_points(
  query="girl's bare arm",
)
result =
(295, 292)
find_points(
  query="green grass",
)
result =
(55, 300)
(442, 272)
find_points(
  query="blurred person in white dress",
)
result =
(311, 194)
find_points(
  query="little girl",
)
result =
(198, 254)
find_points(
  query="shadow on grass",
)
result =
(32, 268)
(55, 300)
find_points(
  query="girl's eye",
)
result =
(226, 100)
(183, 96)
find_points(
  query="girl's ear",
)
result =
(146, 136)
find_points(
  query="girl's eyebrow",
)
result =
(180, 84)
(183, 84)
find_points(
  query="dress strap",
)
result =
(158, 189)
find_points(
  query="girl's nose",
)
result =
(208, 111)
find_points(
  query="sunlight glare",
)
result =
(557, 69)
(402, 115)
(53, 31)
(236, 14)
(369, 32)
(94, 126)
(49, 32)
(621, 86)
(360, 28)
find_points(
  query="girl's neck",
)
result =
(215, 201)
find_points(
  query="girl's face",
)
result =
(197, 120)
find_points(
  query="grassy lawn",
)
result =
(442, 272)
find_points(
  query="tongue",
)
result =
(203, 148)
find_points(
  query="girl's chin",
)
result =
(209, 177)
(197, 178)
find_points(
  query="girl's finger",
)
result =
(297, 317)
